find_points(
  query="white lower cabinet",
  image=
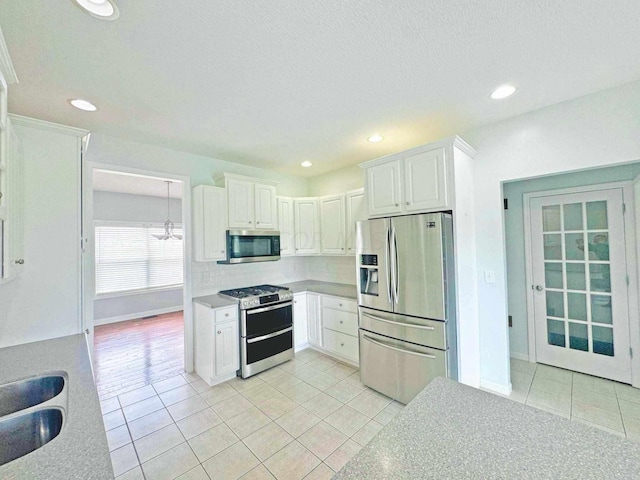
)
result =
(328, 324)
(300, 337)
(314, 323)
(340, 327)
(217, 339)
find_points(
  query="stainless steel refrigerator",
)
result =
(406, 298)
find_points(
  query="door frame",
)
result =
(629, 223)
(88, 264)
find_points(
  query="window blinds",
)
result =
(129, 258)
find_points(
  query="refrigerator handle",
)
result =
(396, 267)
(387, 259)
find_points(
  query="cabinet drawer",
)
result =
(345, 345)
(340, 304)
(226, 314)
(345, 322)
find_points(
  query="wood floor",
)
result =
(135, 353)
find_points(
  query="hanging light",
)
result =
(168, 225)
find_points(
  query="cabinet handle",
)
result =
(226, 314)
(342, 344)
(257, 223)
(340, 304)
(221, 251)
(20, 261)
(219, 332)
(397, 204)
(249, 221)
(340, 321)
(408, 203)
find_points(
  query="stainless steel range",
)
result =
(266, 326)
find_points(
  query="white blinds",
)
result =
(128, 258)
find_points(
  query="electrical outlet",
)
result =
(204, 277)
(489, 276)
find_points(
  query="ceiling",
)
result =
(274, 83)
(108, 181)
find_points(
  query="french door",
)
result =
(579, 289)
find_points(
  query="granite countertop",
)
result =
(452, 431)
(327, 288)
(215, 301)
(80, 451)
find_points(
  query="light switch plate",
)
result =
(489, 276)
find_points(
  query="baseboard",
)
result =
(300, 347)
(520, 356)
(495, 387)
(133, 316)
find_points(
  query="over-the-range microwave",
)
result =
(246, 246)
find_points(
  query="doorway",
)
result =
(136, 276)
(577, 262)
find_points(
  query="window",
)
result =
(129, 258)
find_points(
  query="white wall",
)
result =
(44, 302)
(117, 151)
(112, 206)
(336, 182)
(599, 129)
(514, 235)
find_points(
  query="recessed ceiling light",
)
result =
(375, 138)
(103, 9)
(83, 105)
(503, 91)
(306, 164)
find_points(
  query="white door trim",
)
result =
(631, 253)
(89, 256)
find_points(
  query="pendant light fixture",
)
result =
(168, 225)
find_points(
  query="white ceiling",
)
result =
(108, 181)
(276, 82)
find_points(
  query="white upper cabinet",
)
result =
(425, 181)
(266, 212)
(209, 223)
(307, 226)
(286, 225)
(240, 195)
(332, 225)
(251, 202)
(356, 211)
(417, 180)
(383, 188)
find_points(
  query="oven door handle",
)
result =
(271, 335)
(253, 311)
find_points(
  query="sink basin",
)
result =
(23, 394)
(28, 432)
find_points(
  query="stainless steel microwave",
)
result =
(246, 246)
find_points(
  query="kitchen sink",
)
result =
(27, 393)
(27, 432)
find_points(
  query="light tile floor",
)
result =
(610, 406)
(303, 419)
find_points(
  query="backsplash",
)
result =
(210, 277)
(332, 269)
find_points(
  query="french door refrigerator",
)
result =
(406, 298)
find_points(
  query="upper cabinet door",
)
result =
(425, 181)
(332, 225)
(240, 194)
(209, 223)
(285, 222)
(356, 211)
(266, 216)
(307, 226)
(383, 189)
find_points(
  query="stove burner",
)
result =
(253, 291)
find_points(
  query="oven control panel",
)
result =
(252, 302)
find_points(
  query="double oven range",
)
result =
(266, 327)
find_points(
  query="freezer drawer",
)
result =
(426, 332)
(398, 369)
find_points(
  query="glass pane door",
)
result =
(577, 245)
